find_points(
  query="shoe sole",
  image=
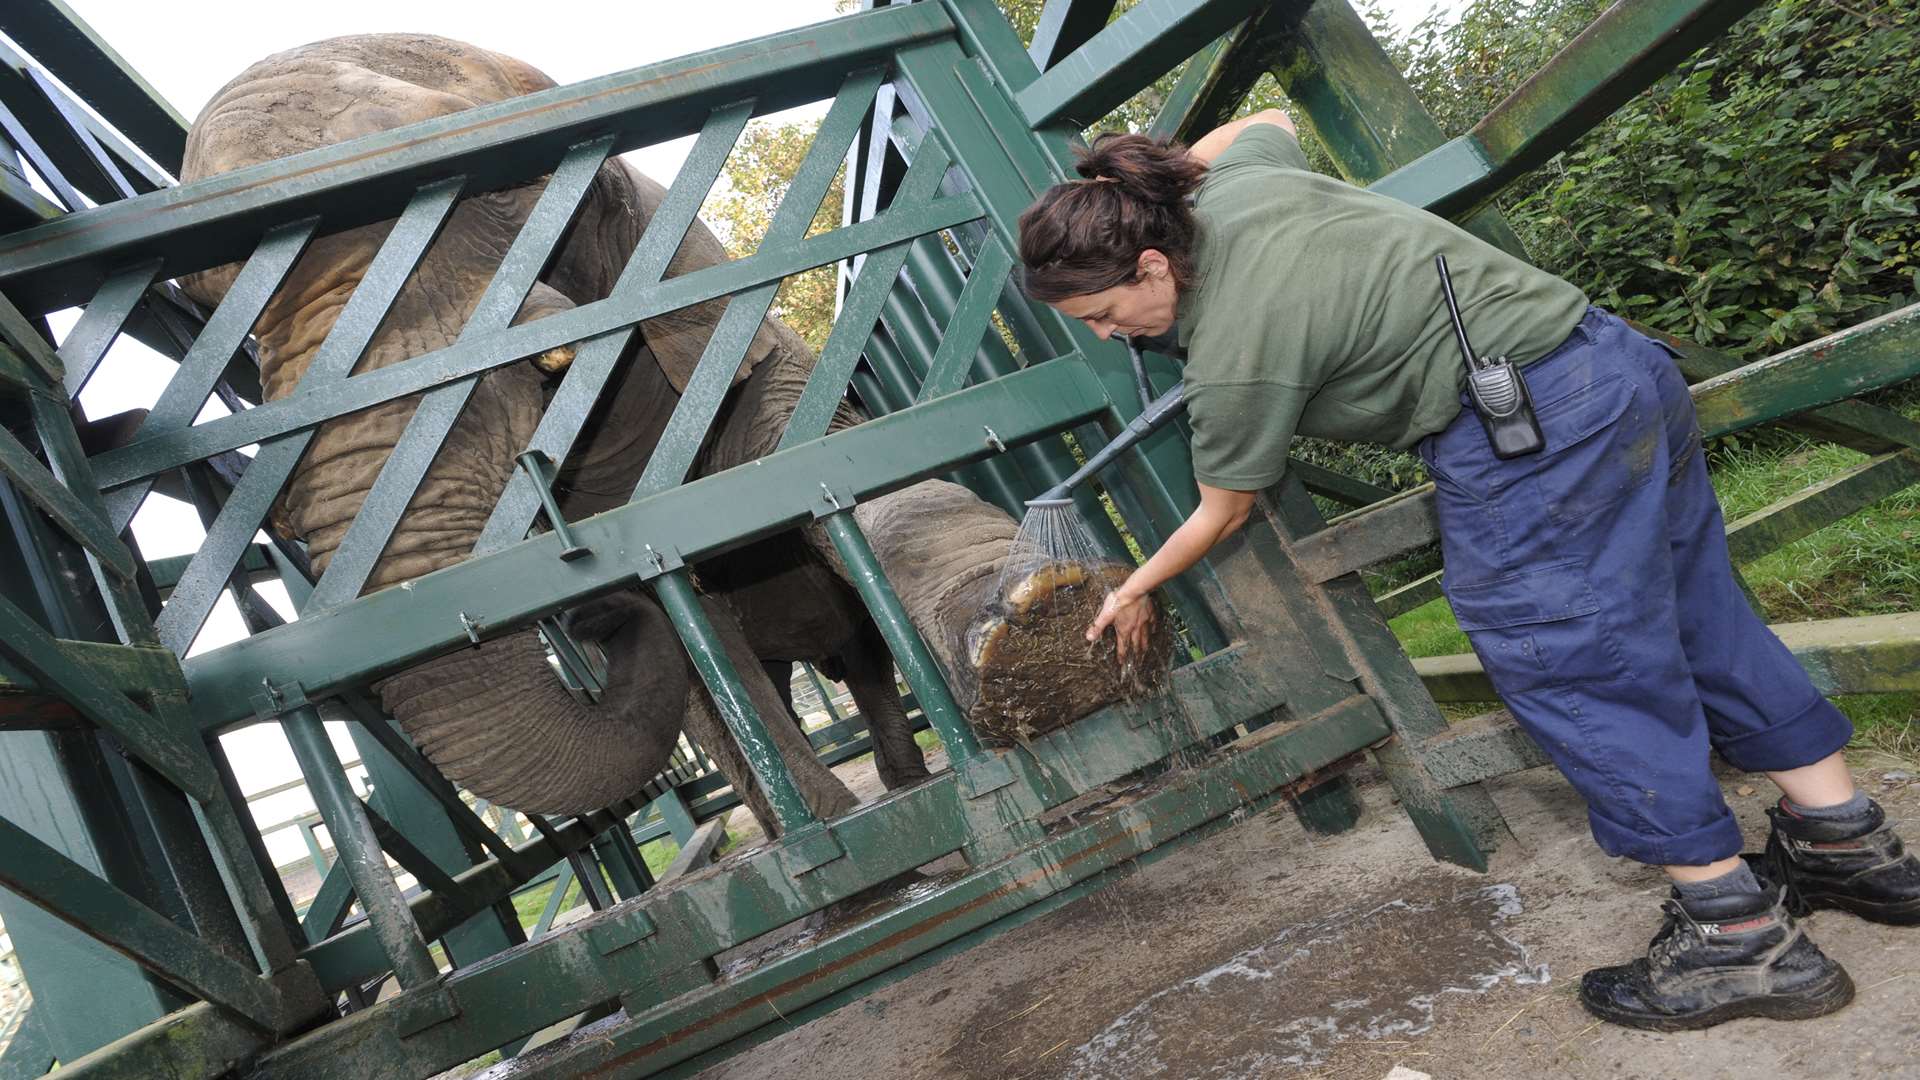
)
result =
(1890, 913)
(1828, 997)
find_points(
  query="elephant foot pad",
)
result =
(1036, 670)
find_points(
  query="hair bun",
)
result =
(1143, 167)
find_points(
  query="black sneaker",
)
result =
(1860, 866)
(1718, 960)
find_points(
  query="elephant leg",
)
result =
(822, 791)
(869, 677)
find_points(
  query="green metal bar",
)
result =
(648, 1042)
(552, 909)
(627, 870)
(1623, 52)
(29, 649)
(200, 586)
(820, 688)
(730, 698)
(329, 906)
(57, 108)
(971, 321)
(1360, 105)
(99, 324)
(1209, 91)
(314, 405)
(388, 630)
(105, 181)
(411, 859)
(28, 344)
(1064, 26)
(83, 60)
(853, 326)
(379, 728)
(707, 387)
(673, 812)
(1126, 56)
(909, 651)
(29, 1054)
(315, 853)
(434, 417)
(594, 361)
(111, 917)
(73, 516)
(32, 123)
(358, 848)
(225, 332)
(219, 219)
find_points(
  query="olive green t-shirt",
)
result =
(1316, 311)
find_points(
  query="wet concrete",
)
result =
(1261, 951)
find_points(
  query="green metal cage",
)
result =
(155, 933)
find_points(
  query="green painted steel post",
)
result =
(826, 697)
(730, 697)
(314, 851)
(355, 844)
(909, 651)
(673, 811)
(1361, 106)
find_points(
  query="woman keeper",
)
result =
(1592, 577)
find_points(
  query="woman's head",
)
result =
(1114, 249)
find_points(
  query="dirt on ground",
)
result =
(1261, 951)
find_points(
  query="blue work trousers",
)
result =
(1594, 583)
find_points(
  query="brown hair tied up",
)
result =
(1086, 235)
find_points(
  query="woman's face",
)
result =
(1143, 307)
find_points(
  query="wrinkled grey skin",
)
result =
(494, 718)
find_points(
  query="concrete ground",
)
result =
(1262, 952)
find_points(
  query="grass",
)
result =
(1865, 564)
(659, 854)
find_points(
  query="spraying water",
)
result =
(1027, 645)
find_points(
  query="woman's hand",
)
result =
(1131, 616)
(1221, 512)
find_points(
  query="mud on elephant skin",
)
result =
(494, 718)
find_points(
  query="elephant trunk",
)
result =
(497, 721)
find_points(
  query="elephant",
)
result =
(494, 718)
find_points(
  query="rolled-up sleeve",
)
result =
(1241, 431)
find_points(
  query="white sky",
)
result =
(188, 54)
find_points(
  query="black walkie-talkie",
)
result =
(1498, 392)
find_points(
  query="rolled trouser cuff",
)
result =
(1808, 736)
(1719, 839)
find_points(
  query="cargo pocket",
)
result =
(1601, 442)
(1539, 628)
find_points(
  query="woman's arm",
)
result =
(1208, 146)
(1221, 513)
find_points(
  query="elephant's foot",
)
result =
(1036, 670)
(555, 360)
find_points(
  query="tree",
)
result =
(756, 180)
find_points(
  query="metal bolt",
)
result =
(658, 560)
(994, 441)
(827, 494)
(273, 692)
(472, 628)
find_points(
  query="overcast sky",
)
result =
(187, 53)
